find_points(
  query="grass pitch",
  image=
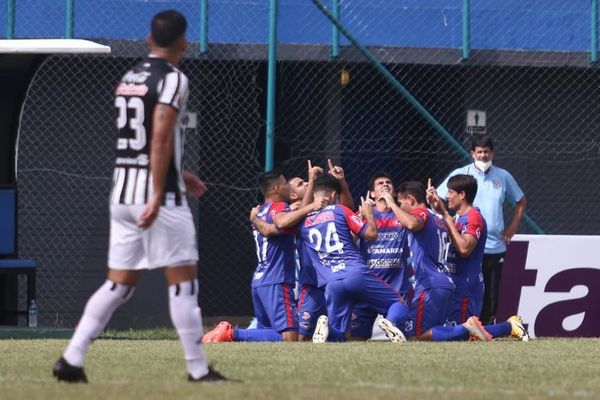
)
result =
(136, 366)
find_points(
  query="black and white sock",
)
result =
(98, 311)
(187, 319)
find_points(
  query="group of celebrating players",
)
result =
(417, 266)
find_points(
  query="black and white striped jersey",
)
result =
(151, 81)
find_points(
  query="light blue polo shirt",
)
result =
(493, 188)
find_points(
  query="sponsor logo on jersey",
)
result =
(131, 89)
(136, 77)
(320, 218)
(141, 160)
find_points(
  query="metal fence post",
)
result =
(70, 18)
(594, 32)
(203, 48)
(271, 82)
(10, 20)
(466, 30)
(335, 33)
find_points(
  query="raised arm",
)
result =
(409, 221)
(313, 171)
(366, 210)
(464, 244)
(338, 173)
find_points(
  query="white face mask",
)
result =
(483, 165)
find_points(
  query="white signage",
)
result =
(476, 121)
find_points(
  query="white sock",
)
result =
(98, 311)
(187, 319)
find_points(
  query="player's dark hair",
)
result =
(482, 141)
(377, 175)
(413, 188)
(327, 182)
(267, 180)
(167, 27)
(464, 183)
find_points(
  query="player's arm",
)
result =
(366, 210)
(286, 220)
(313, 171)
(164, 120)
(464, 244)
(194, 186)
(266, 229)
(407, 220)
(338, 173)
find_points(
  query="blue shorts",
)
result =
(464, 306)
(311, 305)
(429, 308)
(363, 318)
(275, 307)
(364, 288)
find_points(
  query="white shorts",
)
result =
(169, 242)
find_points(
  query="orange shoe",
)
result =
(477, 330)
(223, 332)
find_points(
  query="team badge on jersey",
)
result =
(305, 315)
(357, 220)
(497, 184)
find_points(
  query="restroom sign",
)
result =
(476, 121)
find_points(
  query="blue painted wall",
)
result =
(561, 25)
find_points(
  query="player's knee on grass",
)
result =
(289, 336)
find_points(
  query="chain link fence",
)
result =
(527, 75)
(65, 159)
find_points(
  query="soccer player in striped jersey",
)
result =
(273, 280)
(386, 256)
(151, 224)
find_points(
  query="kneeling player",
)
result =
(342, 269)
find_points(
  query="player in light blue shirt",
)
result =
(495, 186)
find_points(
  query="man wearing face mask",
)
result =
(495, 185)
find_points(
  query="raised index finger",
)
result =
(330, 164)
(428, 183)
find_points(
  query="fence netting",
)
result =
(538, 101)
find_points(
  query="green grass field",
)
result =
(136, 366)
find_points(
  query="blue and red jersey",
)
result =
(466, 271)
(386, 256)
(276, 259)
(328, 237)
(428, 249)
(308, 274)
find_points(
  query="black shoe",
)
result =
(212, 376)
(63, 371)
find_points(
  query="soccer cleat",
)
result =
(518, 331)
(321, 330)
(212, 376)
(63, 371)
(391, 331)
(223, 332)
(476, 329)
